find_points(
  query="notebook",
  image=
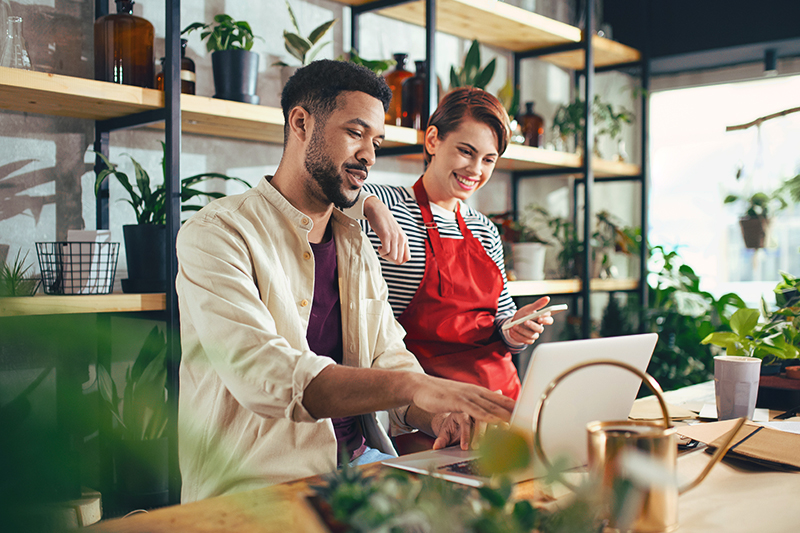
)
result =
(594, 393)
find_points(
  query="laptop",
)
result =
(593, 393)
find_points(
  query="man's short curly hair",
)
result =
(317, 86)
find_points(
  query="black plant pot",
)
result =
(754, 231)
(145, 251)
(141, 469)
(235, 75)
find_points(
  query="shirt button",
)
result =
(305, 221)
(303, 303)
(352, 305)
(353, 348)
(307, 255)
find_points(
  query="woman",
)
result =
(451, 297)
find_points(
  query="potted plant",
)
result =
(528, 249)
(378, 66)
(140, 416)
(145, 241)
(234, 65)
(470, 74)
(15, 279)
(304, 49)
(569, 123)
(774, 339)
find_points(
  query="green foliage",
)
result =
(470, 74)
(570, 119)
(15, 279)
(683, 315)
(142, 412)
(225, 34)
(509, 97)
(301, 47)
(149, 204)
(378, 66)
(512, 230)
(616, 319)
(763, 204)
(777, 337)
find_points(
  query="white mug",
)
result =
(736, 385)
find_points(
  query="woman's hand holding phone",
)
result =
(520, 328)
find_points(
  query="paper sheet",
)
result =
(649, 409)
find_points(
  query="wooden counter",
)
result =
(735, 497)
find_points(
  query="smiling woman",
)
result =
(451, 297)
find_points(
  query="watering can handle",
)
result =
(648, 380)
(718, 455)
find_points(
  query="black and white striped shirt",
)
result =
(404, 280)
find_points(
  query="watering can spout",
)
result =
(718, 455)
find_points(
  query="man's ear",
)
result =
(300, 123)
(432, 139)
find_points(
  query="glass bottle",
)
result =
(123, 48)
(188, 76)
(395, 80)
(15, 55)
(413, 98)
(532, 126)
(5, 12)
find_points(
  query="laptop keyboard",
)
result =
(468, 467)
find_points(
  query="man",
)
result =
(276, 286)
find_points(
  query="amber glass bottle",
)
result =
(188, 76)
(395, 80)
(532, 126)
(123, 48)
(413, 98)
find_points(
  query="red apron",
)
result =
(450, 321)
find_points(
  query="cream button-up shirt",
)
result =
(245, 289)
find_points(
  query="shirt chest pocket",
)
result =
(370, 323)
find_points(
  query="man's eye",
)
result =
(376, 146)
(355, 133)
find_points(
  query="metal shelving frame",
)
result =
(170, 114)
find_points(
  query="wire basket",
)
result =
(77, 267)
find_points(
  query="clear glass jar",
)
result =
(15, 54)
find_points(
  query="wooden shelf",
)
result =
(568, 286)
(66, 96)
(509, 27)
(90, 303)
(52, 94)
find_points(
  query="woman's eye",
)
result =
(464, 151)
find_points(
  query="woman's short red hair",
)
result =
(477, 104)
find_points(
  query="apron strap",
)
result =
(445, 279)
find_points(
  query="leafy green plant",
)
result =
(149, 204)
(142, 412)
(570, 120)
(777, 337)
(224, 34)
(683, 315)
(470, 74)
(15, 279)
(512, 230)
(759, 204)
(301, 47)
(509, 97)
(378, 66)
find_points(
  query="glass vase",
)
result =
(395, 80)
(15, 54)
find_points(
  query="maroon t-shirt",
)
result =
(324, 335)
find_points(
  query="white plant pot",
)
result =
(528, 260)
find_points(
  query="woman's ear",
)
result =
(299, 123)
(432, 140)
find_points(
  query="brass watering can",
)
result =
(613, 444)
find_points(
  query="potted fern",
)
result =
(234, 64)
(145, 241)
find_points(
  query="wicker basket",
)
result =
(77, 267)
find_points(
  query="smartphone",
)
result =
(553, 309)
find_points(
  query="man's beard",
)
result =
(323, 171)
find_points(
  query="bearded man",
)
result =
(289, 344)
